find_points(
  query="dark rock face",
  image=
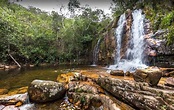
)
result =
(139, 95)
(45, 91)
(126, 35)
(151, 76)
(156, 46)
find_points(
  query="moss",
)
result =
(164, 107)
(167, 20)
(170, 36)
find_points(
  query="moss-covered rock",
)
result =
(45, 91)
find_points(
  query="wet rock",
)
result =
(45, 91)
(147, 27)
(117, 73)
(65, 78)
(80, 93)
(14, 99)
(165, 49)
(171, 74)
(87, 101)
(138, 94)
(21, 90)
(128, 73)
(152, 53)
(1, 107)
(126, 34)
(27, 107)
(167, 72)
(3, 91)
(88, 95)
(10, 107)
(2, 66)
(151, 76)
(85, 87)
(159, 33)
(170, 82)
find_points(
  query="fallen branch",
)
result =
(15, 61)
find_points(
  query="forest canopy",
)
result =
(33, 36)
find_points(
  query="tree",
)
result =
(73, 4)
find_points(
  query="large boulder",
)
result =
(149, 75)
(45, 91)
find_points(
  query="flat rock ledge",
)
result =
(85, 94)
(84, 90)
(89, 96)
(15, 102)
(138, 94)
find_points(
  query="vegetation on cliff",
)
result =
(160, 13)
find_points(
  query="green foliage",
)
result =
(170, 36)
(125, 4)
(33, 36)
(167, 20)
(161, 14)
(73, 4)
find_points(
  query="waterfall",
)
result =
(96, 52)
(119, 33)
(135, 50)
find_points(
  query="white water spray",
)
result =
(135, 51)
(137, 41)
(119, 33)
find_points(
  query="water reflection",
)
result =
(16, 78)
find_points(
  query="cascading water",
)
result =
(119, 33)
(135, 50)
(96, 52)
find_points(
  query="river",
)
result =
(16, 78)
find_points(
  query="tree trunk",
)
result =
(15, 60)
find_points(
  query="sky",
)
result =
(54, 5)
